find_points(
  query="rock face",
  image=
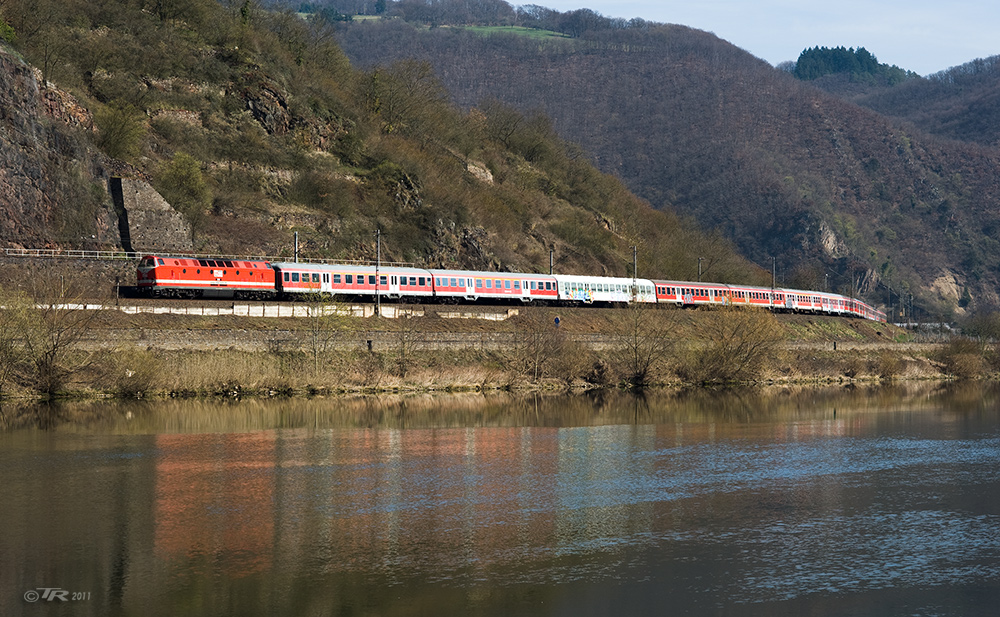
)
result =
(146, 222)
(26, 207)
(52, 184)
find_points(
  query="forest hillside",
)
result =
(253, 124)
(837, 193)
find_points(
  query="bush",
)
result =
(6, 32)
(122, 130)
(536, 343)
(133, 373)
(963, 358)
(181, 183)
(887, 366)
(325, 191)
(739, 344)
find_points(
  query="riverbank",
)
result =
(143, 353)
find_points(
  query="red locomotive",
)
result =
(186, 277)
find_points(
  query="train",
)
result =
(192, 277)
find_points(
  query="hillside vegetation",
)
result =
(836, 193)
(962, 103)
(254, 124)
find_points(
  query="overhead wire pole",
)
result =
(635, 271)
(773, 274)
(378, 264)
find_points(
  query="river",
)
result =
(828, 501)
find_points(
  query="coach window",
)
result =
(517, 285)
(286, 275)
(506, 284)
(489, 283)
(532, 285)
(336, 279)
(381, 280)
(479, 283)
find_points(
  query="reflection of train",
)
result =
(186, 277)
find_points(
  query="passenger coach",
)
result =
(351, 280)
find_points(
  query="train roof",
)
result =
(600, 279)
(487, 274)
(189, 260)
(693, 284)
(292, 265)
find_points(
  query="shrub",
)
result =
(738, 344)
(6, 32)
(122, 130)
(887, 366)
(181, 183)
(962, 358)
(132, 372)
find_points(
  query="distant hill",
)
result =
(962, 103)
(835, 192)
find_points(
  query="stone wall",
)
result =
(147, 223)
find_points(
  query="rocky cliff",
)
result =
(51, 183)
(56, 190)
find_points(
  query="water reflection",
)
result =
(602, 407)
(738, 503)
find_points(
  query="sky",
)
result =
(924, 36)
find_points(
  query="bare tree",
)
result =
(17, 316)
(405, 96)
(327, 324)
(46, 332)
(641, 342)
(537, 340)
(405, 334)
